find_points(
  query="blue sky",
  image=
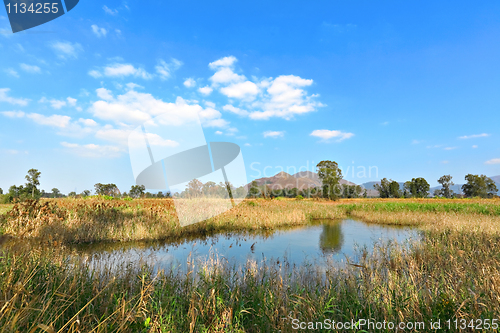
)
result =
(410, 89)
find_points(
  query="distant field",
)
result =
(5, 208)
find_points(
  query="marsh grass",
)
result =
(93, 220)
(451, 273)
(448, 275)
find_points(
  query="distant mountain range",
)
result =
(308, 179)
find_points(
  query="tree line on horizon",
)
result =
(328, 172)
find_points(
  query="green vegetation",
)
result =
(330, 175)
(479, 186)
(448, 275)
(434, 207)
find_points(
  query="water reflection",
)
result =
(331, 238)
(321, 242)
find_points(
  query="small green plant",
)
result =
(299, 197)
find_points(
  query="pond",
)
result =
(321, 242)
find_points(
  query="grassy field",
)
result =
(453, 273)
(94, 220)
(5, 208)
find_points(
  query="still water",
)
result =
(322, 242)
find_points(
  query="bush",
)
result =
(299, 197)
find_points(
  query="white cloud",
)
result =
(450, 148)
(54, 120)
(87, 122)
(235, 110)
(95, 74)
(122, 70)
(99, 32)
(58, 104)
(283, 97)
(482, 135)
(93, 150)
(493, 161)
(205, 90)
(416, 142)
(66, 50)
(218, 132)
(165, 69)
(225, 75)
(326, 135)
(474, 146)
(13, 114)
(104, 94)
(242, 90)
(190, 83)
(11, 72)
(445, 162)
(248, 145)
(109, 11)
(223, 62)
(71, 101)
(134, 108)
(11, 100)
(273, 134)
(30, 68)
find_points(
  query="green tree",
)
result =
(446, 183)
(479, 186)
(254, 191)
(388, 188)
(72, 194)
(107, 189)
(33, 178)
(330, 175)
(56, 193)
(194, 188)
(85, 193)
(1, 191)
(137, 191)
(418, 187)
(383, 188)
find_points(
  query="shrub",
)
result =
(299, 197)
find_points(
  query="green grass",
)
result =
(438, 207)
(4, 208)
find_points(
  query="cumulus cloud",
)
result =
(284, 96)
(122, 70)
(493, 161)
(205, 90)
(165, 69)
(482, 135)
(11, 100)
(99, 32)
(134, 108)
(189, 83)
(65, 50)
(326, 135)
(30, 68)
(242, 90)
(273, 134)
